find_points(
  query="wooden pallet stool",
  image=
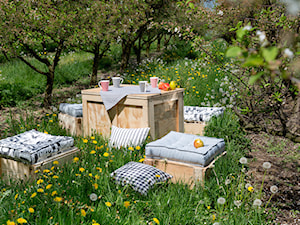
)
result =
(175, 154)
(70, 118)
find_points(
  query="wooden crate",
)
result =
(15, 170)
(183, 172)
(71, 124)
(196, 128)
(162, 112)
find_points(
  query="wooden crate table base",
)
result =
(161, 112)
(175, 154)
(71, 124)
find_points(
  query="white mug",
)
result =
(143, 86)
(117, 81)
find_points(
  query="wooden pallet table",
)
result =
(162, 112)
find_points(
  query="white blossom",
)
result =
(220, 13)
(288, 53)
(243, 160)
(248, 27)
(257, 202)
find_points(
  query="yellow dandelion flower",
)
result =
(83, 213)
(58, 199)
(92, 137)
(157, 175)
(31, 210)
(108, 204)
(97, 177)
(33, 195)
(40, 190)
(21, 220)
(95, 142)
(51, 121)
(156, 220)
(39, 181)
(48, 186)
(55, 163)
(54, 193)
(250, 189)
(8, 222)
(76, 159)
(131, 148)
(119, 191)
(141, 160)
(36, 171)
(213, 217)
(99, 169)
(126, 204)
(93, 152)
(105, 154)
(95, 185)
(94, 223)
(46, 171)
(85, 140)
(16, 196)
(208, 207)
(54, 114)
(137, 147)
(55, 177)
(81, 169)
(45, 132)
(92, 210)
(90, 175)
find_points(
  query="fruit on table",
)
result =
(173, 85)
(160, 85)
(164, 86)
(198, 143)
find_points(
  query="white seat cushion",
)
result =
(180, 147)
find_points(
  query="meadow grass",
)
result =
(65, 194)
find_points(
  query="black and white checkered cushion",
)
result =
(126, 137)
(139, 176)
(34, 146)
(201, 114)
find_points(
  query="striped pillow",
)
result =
(127, 137)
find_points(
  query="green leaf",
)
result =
(240, 33)
(255, 77)
(270, 53)
(254, 60)
(233, 51)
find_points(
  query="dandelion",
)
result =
(55, 177)
(208, 207)
(95, 185)
(105, 154)
(126, 204)
(93, 197)
(39, 181)
(46, 171)
(108, 204)
(93, 152)
(99, 169)
(54, 115)
(93, 138)
(8, 222)
(51, 121)
(83, 212)
(156, 220)
(221, 201)
(81, 169)
(33, 195)
(97, 177)
(138, 147)
(16, 196)
(58, 199)
(85, 141)
(31, 210)
(55, 162)
(95, 142)
(40, 190)
(21, 220)
(76, 159)
(257, 202)
(288, 53)
(157, 175)
(248, 185)
(250, 189)
(48, 186)
(141, 160)
(227, 181)
(54, 193)
(131, 148)
(238, 203)
(274, 189)
(243, 160)
(266, 165)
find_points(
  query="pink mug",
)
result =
(154, 81)
(104, 85)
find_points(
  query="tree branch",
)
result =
(32, 67)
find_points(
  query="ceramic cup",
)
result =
(104, 84)
(154, 81)
(143, 86)
(117, 81)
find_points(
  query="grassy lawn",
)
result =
(62, 194)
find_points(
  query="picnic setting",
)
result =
(149, 112)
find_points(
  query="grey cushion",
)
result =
(201, 114)
(74, 110)
(34, 146)
(180, 147)
(139, 176)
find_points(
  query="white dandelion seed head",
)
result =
(288, 53)
(243, 160)
(227, 181)
(266, 165)
(274, 189)
(238, 203)
(93, 197)
(248, 27)
(221, 201)
(257, 202)
(248, 185)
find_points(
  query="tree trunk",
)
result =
(93, 80)
(158, 42)
(126, 47)
(148, 44)
(49, 89)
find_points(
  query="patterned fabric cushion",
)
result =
(74, 110)
(202, 114)
(139, 176)
(125, 137)
(34, 146)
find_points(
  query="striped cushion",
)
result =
(126, 137)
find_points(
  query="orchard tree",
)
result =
(28, 27)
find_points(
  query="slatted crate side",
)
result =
(70, 123)
(196, 128)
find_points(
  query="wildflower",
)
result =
(36, 171)
(257, 202)
(94, 142)
(248, 185)
(99, 169)
(40, 190)
(216, 223)
(126, 204)
(105, 154)
(227, 181)
(93, 138)
(39, 181)
(95, 185)
(156, 220)
(261, 36)
(131, 148)
(266, 165)
(55, 177)
(208, 207)
(288, 53)
(54, 114)
(76, 159)
(10, 222)
(221, 201)
(51, 121)
(141, 160)
(46, 171)
(97, 177)
(137, 147)
(58, 199)
(54, 193)
(108, 204)
(248, 27)
(16, 196)
(250, 189)
(31, 210)
(21, 220)
(45, 132)
(55, 163)
(220, 13)
(48, 186)
(93, 197)
(83, 213)
(213, 217)
(238, 203)
(243, 160)
(157, 175)
(85, 141)
(33, 195)
(274, 189)
(93, 152)
(81, 169)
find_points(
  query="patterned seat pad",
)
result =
(201, 114)
(34, 146)
(74, 110)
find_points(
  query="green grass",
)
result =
(63, 194)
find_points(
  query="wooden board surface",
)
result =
(196, 128)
